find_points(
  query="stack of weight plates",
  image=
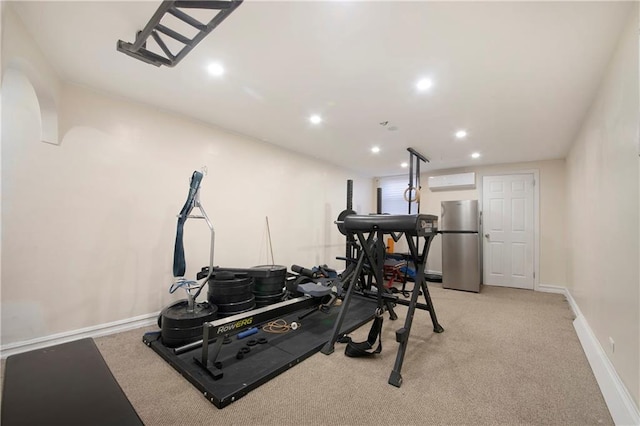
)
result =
(268, 284)
(180, 326)
(231, 293)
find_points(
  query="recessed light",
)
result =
(461, 134)
(215, 69)
(404, 165)
(375, 149)
(315, 119)
(475, 155)
(424, 84)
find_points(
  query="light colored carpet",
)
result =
(507, 356)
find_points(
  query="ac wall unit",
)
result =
(452, 182)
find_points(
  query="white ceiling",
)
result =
(519, 77)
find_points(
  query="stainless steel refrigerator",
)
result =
(461, 245)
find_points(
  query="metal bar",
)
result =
(199, 4)
(437, 328)
(234, 324)
(350, 238)
(142, 36)
(395, 378)
(143, 54)
(221, 16)
(418, 188)
(328, 348)
(163, 46)
(173, 34)
(379, 201)
(204, 359)
(410, 181)
(187, 19)
(393, 298)
(417, 154)
(212, 244)
(189, 346)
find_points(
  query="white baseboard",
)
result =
(621, 405)
(547, 288)
(68, 336)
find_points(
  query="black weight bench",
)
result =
(414, 228)
(67, 384)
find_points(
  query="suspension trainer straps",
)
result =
(179, 263)
(360, 349)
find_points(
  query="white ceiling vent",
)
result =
(452, 182)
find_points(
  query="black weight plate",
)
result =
(228, 276)
(222, 293)
(178, 316)
(252, 342)
(267, 271)
(263, 303)
(233, 283)
(270, 298)
(340, 220)
(216, 290)
(237, 306)
(269, 291)
(235, 298)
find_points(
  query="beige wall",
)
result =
(88, 226)
(603, 211)
(551, 212)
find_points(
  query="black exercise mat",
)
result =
(264, 361)
(67, 384)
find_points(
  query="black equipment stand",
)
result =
(376, 226)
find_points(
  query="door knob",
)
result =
(486, 236)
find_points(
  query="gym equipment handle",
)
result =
(304, 271)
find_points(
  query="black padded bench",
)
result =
(67, 384)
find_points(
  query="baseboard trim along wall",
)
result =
(622, 407)
(68, 336)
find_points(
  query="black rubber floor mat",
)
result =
(264, 361)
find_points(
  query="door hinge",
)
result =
(534, 275)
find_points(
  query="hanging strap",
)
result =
(361, 349)
(179, 263)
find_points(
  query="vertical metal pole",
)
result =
(379, 201)
(205, 345)
(349, 250)
(418, 186)
(410, 180)
(395, 378)
(329, 346)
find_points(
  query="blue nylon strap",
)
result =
(179, 263)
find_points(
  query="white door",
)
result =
(508, 228)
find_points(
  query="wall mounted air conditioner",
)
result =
(452, 182)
